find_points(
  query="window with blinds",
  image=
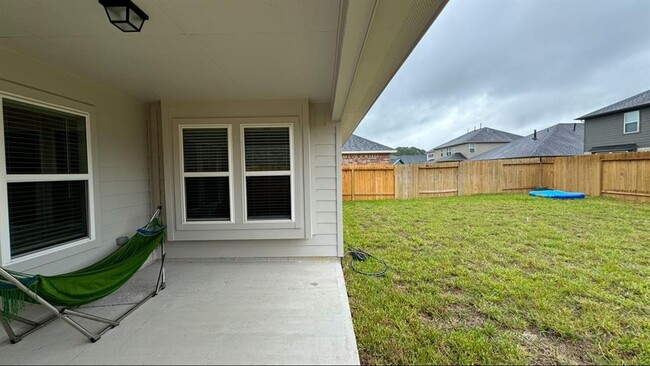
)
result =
(47, 176)
(268, 173)
(206, 173)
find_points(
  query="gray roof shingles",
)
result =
(557, 140)
(453, 157)
(408, 159)
(357, 144)
(639, 100)
(482, 135)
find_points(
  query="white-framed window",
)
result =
(431, 156)
(448, 151)
(46, 184)
(472, 148)
(206, 173)
(631, 122)
(268, 169)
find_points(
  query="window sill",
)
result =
(40, 258)
(271, 232)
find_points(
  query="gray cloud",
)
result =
(514, 65)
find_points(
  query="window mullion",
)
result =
(268, 173)
(205, 174)
(17, 178)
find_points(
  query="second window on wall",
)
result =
(267, 171)
(208, 177)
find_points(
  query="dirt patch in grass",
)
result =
(455, 291)
(550, 349)
(455, 316)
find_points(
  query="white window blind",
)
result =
(206, 174)
(631, 122)
(268, 173)
(46, 164)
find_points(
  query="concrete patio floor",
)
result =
(244, 311)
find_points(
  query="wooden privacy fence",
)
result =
(625, 175)
(368, 182)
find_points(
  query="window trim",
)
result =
(448, 151)
(638, 122)
(5, 241)
(244, 173)
(183, 174)
(174, 114)
(472, 148)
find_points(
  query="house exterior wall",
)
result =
(464, 149)
(364, 159)
(320, 190)
(608, 130)
(120, 160)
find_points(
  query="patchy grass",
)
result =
(502, 279)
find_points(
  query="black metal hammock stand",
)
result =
(62, 294)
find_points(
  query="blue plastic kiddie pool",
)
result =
(562, 195)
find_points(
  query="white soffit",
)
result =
(189, 49)
(394, 30)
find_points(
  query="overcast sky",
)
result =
(514, 65)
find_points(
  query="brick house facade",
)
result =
(365, 159)
(360, 151)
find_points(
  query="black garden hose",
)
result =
(359, 255)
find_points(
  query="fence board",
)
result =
(437, 180)
(625, 175)
(369, 182)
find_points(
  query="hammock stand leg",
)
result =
(65, 313)
(48, 306)
(160, 285)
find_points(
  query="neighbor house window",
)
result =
(268, 173)
(448, 151)
(206, 173)
(47, 180)
(472, 148)
(631, 122)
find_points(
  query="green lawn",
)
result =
(502, 279)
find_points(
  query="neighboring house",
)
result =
(408, 159)
(360, 151)
(231, 115)
(453, 157)
(562, 139)
(471, 144)
(622, 126)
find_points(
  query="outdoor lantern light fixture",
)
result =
(124, 14)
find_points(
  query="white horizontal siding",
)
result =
(324, 214)
(119, 149)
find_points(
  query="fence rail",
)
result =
(625, 175)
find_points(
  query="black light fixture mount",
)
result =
(124, 14)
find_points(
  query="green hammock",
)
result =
(87, 284)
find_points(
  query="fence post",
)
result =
(352, 183)
(600, 175)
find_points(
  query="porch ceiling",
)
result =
(189, 49)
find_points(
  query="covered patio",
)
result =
(229, 311)
(231, 116)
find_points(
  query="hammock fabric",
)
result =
(87, 284)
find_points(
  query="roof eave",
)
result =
(370, 152)
(622, 110)
(368, 63)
